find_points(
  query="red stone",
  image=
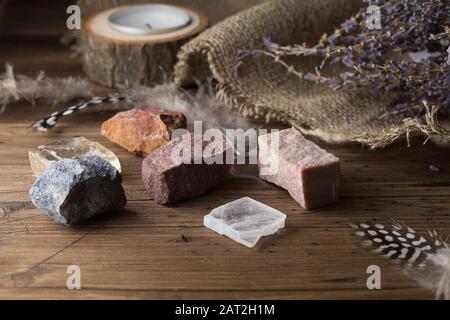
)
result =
(308, 172)
(142, 131)
(169, 179)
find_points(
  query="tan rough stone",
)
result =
(142, 131)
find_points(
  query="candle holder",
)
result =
(137, 44)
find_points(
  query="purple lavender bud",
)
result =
(348, 61)
(349, 26)
(310, 77)
(269, 43)
(434, 168)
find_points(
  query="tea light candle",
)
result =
(149, 19)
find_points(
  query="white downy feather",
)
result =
(436, 273)
(197, 105)
(15, 88)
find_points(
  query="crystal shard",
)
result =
(245, 221)
(43, 156)
(308, 172)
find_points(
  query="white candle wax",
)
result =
(149, 19)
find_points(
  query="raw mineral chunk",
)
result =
(185, 167)
(76, 189)
(245, 221)
(43, 156)
(143, 131)
(309, 173)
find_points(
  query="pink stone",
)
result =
(170, 175)
(308, 172)
(142, 131)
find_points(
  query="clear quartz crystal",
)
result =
(245, 221)
(43, 156)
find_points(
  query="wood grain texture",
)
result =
(139, 253)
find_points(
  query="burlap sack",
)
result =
(265, 90)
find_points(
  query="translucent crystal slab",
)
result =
(43, 156)
(245, 221)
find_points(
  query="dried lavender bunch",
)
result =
(407, 27)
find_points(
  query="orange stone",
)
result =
(142, 131)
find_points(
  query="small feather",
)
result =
(15, 88)
(425, 261)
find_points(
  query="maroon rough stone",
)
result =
(168, 178)
(309, 173)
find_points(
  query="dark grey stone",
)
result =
(76, 189)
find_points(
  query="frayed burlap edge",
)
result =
(430, 129)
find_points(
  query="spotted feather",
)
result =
(425, 260)
(397, 242)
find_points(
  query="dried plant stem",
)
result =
(378, 58)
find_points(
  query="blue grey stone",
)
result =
(73, 190)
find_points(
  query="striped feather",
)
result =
(425, 260)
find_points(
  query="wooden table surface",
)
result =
(139, 252)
